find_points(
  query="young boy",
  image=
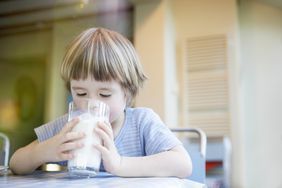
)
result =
(103, 65)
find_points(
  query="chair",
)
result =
(4, 151)
(196, 148)
(219, 151)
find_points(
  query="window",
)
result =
(206, 84)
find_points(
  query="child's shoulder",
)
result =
(144, 118)
(141, 112)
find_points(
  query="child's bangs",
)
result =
(99, 64)
(102, 68)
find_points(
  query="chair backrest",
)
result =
(4, 150)
(197, 152)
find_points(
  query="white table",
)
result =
(40, 179)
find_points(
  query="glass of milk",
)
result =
(86, 162)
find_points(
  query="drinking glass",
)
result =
(86, 161)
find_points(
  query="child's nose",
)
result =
(93, 97)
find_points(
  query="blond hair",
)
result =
(104, 55)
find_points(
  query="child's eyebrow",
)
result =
(106, 89)
(78, 88)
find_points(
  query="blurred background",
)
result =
(214, 65)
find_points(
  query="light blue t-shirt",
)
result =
(142, 134)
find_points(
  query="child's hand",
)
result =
(60, 146)
(110, 156)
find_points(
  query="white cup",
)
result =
(86, 162)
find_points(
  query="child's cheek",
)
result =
(112, 117)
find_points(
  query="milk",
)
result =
(87, 159)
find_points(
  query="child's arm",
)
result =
(175, 162)
(26, 159)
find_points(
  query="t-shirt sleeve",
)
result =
(50, 129)
(157, 136)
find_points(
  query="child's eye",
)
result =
(105, 95)
(81, 94)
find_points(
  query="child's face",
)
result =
(110, 93)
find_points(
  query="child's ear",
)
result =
(127, 98)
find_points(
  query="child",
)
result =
(101, 64)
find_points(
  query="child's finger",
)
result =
(70, 146)
(101, 149)
(66, 156)
(107, 129)
(70, 125)
(71, 136)
(108, 142)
